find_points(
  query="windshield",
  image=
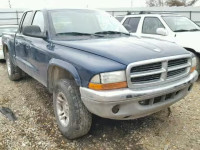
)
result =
(84, 21)
(7, 29)
(180, 24)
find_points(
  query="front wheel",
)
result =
(14, 72)
(73, 118)
(198, 63)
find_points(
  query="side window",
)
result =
(39, 20)
(126, 21)
(151, 24)
(27, 19)
(134, 22)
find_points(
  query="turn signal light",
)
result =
(108, 86)
(193, 69)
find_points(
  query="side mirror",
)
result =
(33, 31)
(128, 27)
(162, 31)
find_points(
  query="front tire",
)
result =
(14, 72)
(73, 118)
(198, 63)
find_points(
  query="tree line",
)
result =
(158, 3)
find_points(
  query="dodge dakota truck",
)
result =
(92, 65)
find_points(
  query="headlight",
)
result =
(108, 81)
(194, 63)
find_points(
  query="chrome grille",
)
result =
(147, 67)
(146, 78)
(176, 62)
(158, 71)
(176, 72)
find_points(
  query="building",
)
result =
(10, 16)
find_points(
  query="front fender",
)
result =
(9, 46)
(66, 66)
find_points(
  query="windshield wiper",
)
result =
(181, 30)
(78, 34)
(195, 30)
(112, 32)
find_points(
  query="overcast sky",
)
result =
(71, 3)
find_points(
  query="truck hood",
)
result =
(188, 40)
(126, 50)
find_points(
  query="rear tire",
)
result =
(73, 118)
(14, 72)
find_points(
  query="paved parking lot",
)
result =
(36, 126)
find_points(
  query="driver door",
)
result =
(150, 26)
(38, 52)
(21, 43)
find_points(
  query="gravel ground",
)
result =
(36, 126)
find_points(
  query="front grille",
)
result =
(176, 72)
(147, 67)
(157, 71)
(176, 62)
(154, 77)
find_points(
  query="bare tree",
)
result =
(158, 3)
(175, 3)
(192, 2)
(153, 3)
(9, 3)
(180, 2)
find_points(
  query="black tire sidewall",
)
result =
(80, 119)
(15, 71)
(11, 66)
(58, 89)
(198, 63)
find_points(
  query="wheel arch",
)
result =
(197, 57)
(192, 50)
(8, 48)
(59, 69)
(5, 49)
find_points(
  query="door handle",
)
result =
(17, 42)
(28, 46)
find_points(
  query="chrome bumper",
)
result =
(123, 104)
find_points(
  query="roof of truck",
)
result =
(153, 14)
(49, 9)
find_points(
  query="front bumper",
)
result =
(123, 104)
(1, 54)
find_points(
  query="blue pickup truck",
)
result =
(92, 65)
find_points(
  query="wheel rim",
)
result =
(8, 65)
(62, 109)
